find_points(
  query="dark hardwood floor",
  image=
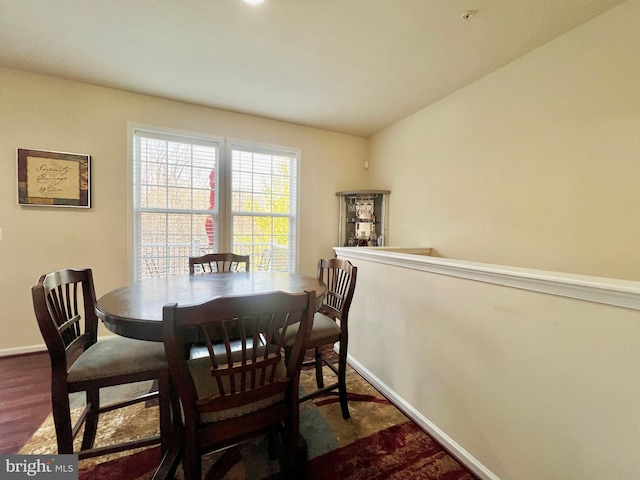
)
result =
(25, 398)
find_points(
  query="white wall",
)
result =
(521, 385)
(535, 165)
(43, 113)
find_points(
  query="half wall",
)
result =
(519, 373)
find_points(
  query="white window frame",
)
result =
(269, 149)
(224, 233)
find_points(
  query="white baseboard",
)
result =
(438, 435)
(7, 352)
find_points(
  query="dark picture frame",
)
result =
(54, 179)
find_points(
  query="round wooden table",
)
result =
(135, 311)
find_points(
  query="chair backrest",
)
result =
(340, 278)
(265, 261)
(64, 304)
(238, 370)
(218, 262)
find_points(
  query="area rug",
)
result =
(377, 442)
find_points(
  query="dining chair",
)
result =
(238, 391)
(81, 363)
(330, 326)
(265, 261)
(218, 262)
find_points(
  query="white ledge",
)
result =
(621, 293)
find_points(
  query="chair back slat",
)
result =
(72, 324)
(219, 262)
(64, 304)
(340, 278)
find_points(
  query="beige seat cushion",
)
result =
(206, 386)
(116, 356)
(325, 330)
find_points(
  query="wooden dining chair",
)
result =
(330, 325)
(218, 262)
(64, 304)
(238, 390)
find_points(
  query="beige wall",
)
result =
(535, 165)
(44, 113)
(520, 385)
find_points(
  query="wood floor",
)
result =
(25, 398)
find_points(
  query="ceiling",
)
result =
(350, 66)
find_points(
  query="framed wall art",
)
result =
(54, 179)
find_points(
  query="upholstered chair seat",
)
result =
(117, 356)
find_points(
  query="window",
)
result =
(263, 207)
(180, 208)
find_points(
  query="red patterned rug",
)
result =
(378, 442)
(402, 451)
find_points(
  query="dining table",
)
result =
(135, 311)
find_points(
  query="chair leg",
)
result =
(171, 427)
(91, 422)
(191, 460)
(319, 376)
(342, 378)
(62, 421)
(272, 443)
(294, 455)
(287, 355)
(165, 410)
